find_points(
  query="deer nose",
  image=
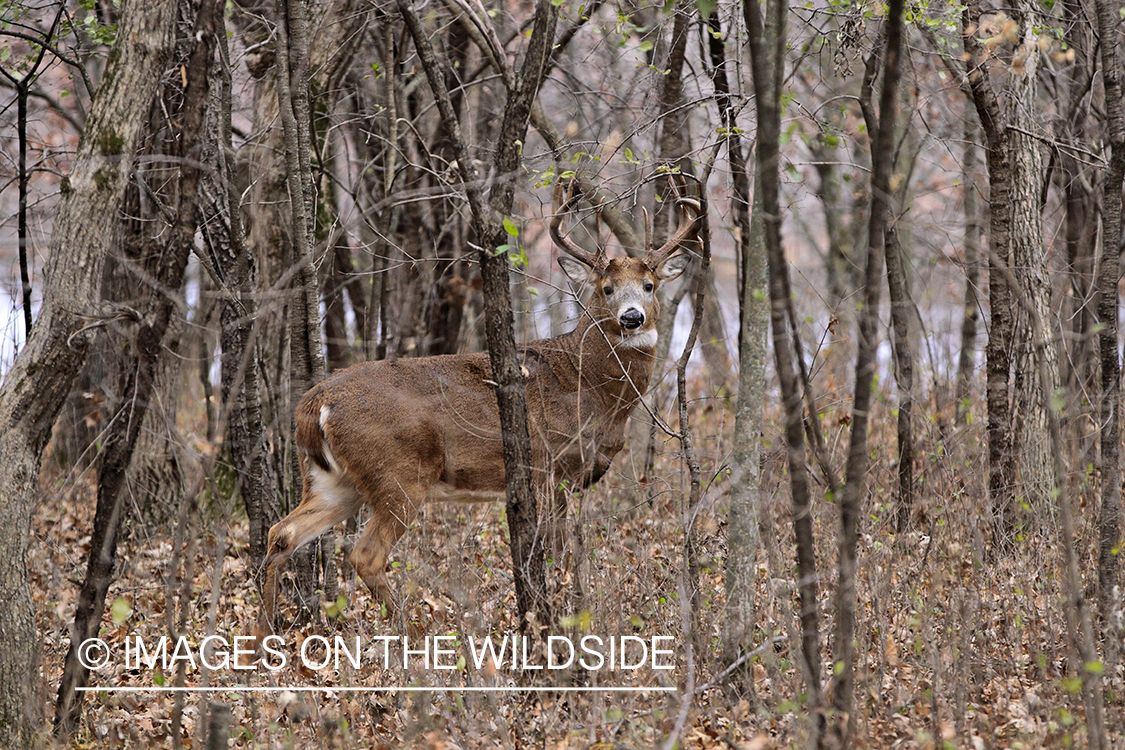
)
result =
(632, 318)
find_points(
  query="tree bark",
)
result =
(283, 308)
(882, 151)
(967, 356)
(306, 355)
(743, 537)
(1001, 468)
(1108, 302)
(35, 388)
(232, 265)
(1080, 227)
(1029, 262)
(153, 339)
(901, 306)
(767, 41)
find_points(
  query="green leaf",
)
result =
(511, 228)
(336, 608)
(120, 610)
(706, 7)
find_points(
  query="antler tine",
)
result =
(648, 231)
(597, 260)
(690, 210)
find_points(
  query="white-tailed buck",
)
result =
(393, 434)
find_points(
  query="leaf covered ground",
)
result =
(953, 650)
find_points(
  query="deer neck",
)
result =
(618, 367)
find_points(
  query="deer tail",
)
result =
(311, 438)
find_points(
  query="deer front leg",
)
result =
(324, 504)
(276, 556)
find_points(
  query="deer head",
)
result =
(623, 301)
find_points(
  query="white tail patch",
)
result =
(332, 485)
(326, 446)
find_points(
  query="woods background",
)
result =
(865, 523)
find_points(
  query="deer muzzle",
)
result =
(632, 319)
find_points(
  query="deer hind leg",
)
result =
(328, 498)
(389, 520)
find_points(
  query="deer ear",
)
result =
(672, 267)
(576, 270)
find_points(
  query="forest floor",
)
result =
(952, 651)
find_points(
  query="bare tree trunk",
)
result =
(882, 151)
(154, 337)
(743, 537)
(285, 311)
(767, 41)
(838, 263)
(901, 307)
(674, 146)
(232, 264)
(967, 356)
(158, 471)
(306, 355)
(1109, 514)
(1029, 261)
(1080, 227)
(1001, 469)
(1076, 605)
(35, 388)
(375, 336)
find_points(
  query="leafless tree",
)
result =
(35, 387)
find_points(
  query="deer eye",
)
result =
(648, 286)
(607, 291)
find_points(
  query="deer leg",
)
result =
(326, 502)
(386, 526)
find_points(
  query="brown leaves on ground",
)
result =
(951, 652)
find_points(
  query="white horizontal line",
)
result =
(388, 689)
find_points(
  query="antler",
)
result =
(598, 261)
(690, 211)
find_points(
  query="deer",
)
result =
(393, 434)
